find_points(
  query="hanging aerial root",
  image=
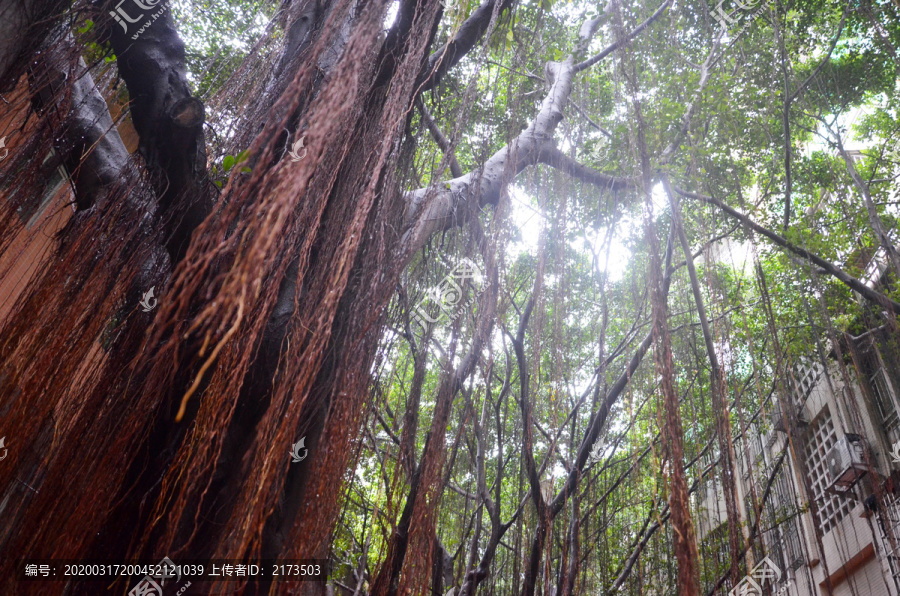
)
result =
(211, 359)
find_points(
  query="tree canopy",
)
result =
(529, 277)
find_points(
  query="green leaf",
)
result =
(246, 170)
(243, 156)
(228, 163)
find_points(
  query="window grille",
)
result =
(881, 390)
(807, 375)
(822, 437)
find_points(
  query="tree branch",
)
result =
(24, 25)
(618, 44)
(552, 156)
(468, 34)
(168, 119)
(785, 125)
(438, 207)
(90, 147)
(435, 208)
(442, 141)
(581, 111)
(717, 389)
(825, 59)
(852, 283)
(711, 59)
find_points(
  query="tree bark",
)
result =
(718, 390)
(169, 121)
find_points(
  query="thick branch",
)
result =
(169, 121)
(442, 141)
(786, 125)
(871, 210)
(24, 24)
(525, 404)
(90, 146)
(550, 155)
(618, 44)
(439, 207)
(851, 282)
(717, 386)
(462, 43)
(434, 208)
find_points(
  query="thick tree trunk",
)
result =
(169, 121)
(24, 25)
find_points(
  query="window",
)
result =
(881, 391)
(786, 516)
(807, 375)
(715, 556)
(754, 454)
(822, 437)
(781, 517)
(56, 177)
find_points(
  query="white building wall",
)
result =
(853, 534)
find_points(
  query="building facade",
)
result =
(822, 457)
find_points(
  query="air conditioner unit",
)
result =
(846, 461)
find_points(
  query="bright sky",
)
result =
(529, 220)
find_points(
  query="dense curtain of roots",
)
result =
(330, 215)
(166, 433)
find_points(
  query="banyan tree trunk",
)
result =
(268, 319)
